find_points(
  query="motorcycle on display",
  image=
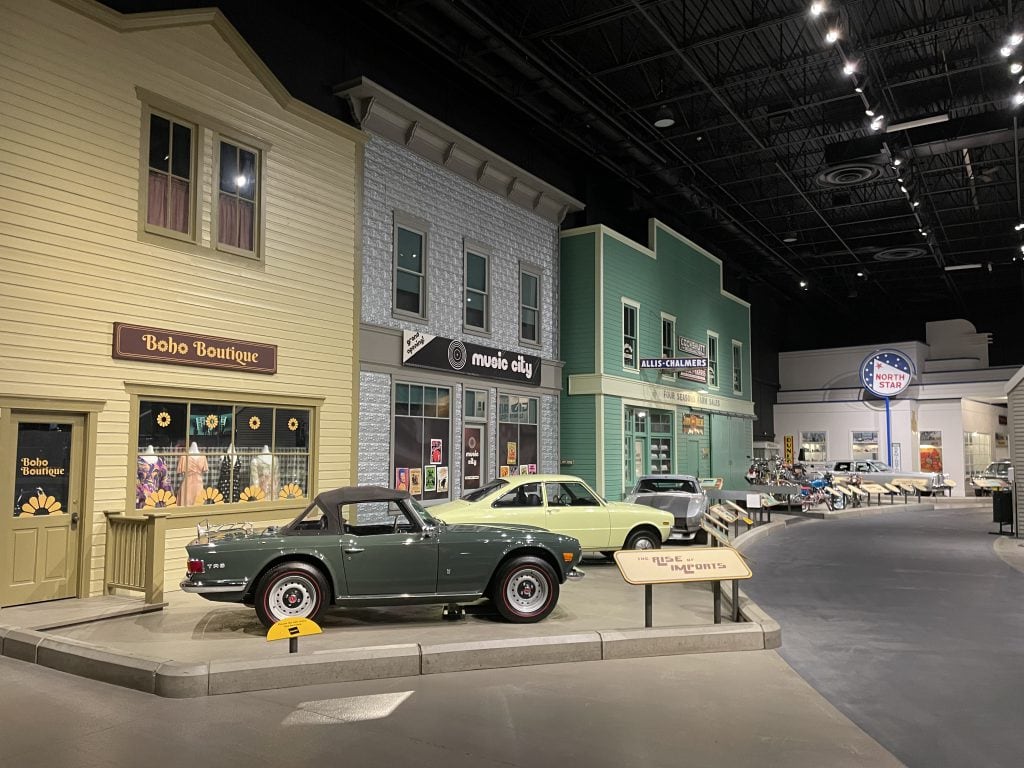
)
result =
(819, 490)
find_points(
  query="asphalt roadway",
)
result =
(909, 624)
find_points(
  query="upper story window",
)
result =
(181, 186)
(712, 359)
(410, 270)
(529, 306)
(668, 335)
(477, 311)
(169, 191)
(629, 335)
(238, 182)
(737, 368)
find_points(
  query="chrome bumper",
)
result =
(576, 574)
(200, 588)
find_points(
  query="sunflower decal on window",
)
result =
(163, 419)
(290, 491)
(41, 505)
(211, 496)
(160, 499)
(252, 493)
(212, 421)
(254, 423)
(293, 424)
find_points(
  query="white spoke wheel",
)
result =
(525, 590)
(642, 539)
(291, 591)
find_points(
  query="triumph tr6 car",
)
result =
(562, 503)
(366, 545)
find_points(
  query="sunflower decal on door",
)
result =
(42, 505)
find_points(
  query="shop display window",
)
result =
(518, 448)
(813, 447)
(977, 453)
(475, 404)
(198, 453)
(931, 450)
(865, 445)
(661, 443)
(422, 444)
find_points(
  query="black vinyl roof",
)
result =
(353, 494)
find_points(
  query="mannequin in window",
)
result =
(192, 466)
(228, 477)
(261, 472)
(152, 476)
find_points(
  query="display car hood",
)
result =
(679, 503)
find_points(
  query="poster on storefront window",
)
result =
(512, 453)
(430, 479)
(442, 479)
(415, 481)
(931, 459)
(503, 470)
(402, 479)
(435, 451)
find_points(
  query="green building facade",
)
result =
(624, 307)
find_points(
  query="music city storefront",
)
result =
(443, 415)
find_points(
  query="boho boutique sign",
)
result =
(451, 355)
(136, 342)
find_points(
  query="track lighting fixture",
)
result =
(833, 34)
(817, 9)
(1005, 51)
(1018, 228)
(896, 162)
(1018, 98)
(1016, 67)
(849, 68)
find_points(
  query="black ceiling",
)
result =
(772, 162)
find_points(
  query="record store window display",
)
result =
(195, 453)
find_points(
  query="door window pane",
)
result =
(42, 470)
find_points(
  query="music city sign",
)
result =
(451, 355)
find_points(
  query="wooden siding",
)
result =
(72, 262)
(613, 449)
(1015, 402)
(579, 436)
(578, 297)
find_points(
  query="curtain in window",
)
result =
(235, 222)
(168, 214)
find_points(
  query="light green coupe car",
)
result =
(564, 504)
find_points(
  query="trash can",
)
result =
(1002, 507)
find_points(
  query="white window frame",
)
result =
(668, 321)
(635, 306)
(713, 362)
(484, 253)
(737, 367)
(257, 234)
(419, 227)
(535, 273)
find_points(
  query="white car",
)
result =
(874, 471)
(682, 495)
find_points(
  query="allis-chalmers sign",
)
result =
(136, 342)
(428, 351)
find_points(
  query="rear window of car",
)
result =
(665, 485)
(484, 490)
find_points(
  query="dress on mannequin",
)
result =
(229, 475)
(262, 472)
(152, 476)
(192, 466)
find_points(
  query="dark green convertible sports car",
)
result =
(366, 545)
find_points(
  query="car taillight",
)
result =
(196, 566)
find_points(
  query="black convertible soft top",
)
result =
(353, 494)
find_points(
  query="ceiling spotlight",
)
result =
(876, 124)
(817, 9)
(897, 162)
(1020, 80)
(833, 34)
(664, 118)
(916, 203)
(1018, 98)
(849, 68)
(790, 237)
(1018, 228)
(803, 284)
(899, 179)
(1016, 67)
(903, 190)
(1016, 39)
(1005, 51)
(924, 232)
(860, 274)
(869, 112)
(1022, 249)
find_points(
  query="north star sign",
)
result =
(886, 373)
(428, 351)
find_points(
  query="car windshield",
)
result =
(667, 485)
(880, 466)
(484, 490)
(427, 518)
(998, 468)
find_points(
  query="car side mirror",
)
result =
(428, 532)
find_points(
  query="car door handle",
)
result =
(352, 550)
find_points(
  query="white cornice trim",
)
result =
(657, 394)
(386, 114)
